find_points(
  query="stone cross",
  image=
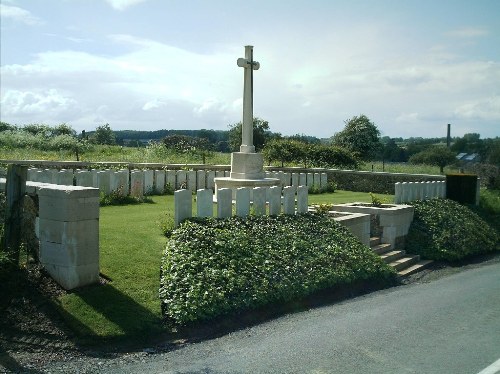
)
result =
(247, 128)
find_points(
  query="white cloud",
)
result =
(29, 103)
(123, 4)
(19, 15)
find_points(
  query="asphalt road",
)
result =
(449, 325)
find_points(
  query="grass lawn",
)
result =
(131, 244)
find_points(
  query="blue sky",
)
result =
(410, 66)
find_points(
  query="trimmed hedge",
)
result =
(443, 229)
(213, 267)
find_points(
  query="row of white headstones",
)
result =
(139, 182)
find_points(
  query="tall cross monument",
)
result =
(247, 166)
(249, 65)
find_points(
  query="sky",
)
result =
(410, 66)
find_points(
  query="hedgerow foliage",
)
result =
(213, 267)
(445, 230)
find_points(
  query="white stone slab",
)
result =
(302, 199)
(191, 180)
(137, 183)
(68, 203)
(204, 203)
(159, 181)
(149, 181)
(104, 181)
(259, 200)
(183, 206)
(274, 198)
(201, 179)
(288, 200)
(210, 179)
(224, 203)
(243, 201)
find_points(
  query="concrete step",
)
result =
(392, 256)
(404, 262)
(375, 240)
(421, 265)
(380, 249)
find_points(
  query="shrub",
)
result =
(213, 267)
(445, 230)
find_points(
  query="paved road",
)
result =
(450, 325)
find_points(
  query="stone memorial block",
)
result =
(201, 179)
(295, 180)
(191, 180)
(181, 179)
(149, 181)
(317, 180)
(65, 177)
(288, 200)
(210, 179)
(183, 206)
(170, 179)
(259, 200)
(104, 181)
(309, 179)
(69, 234)
(204, 203)
(159, 182)
(274, 197)
(85, 178)
(397, 193)
(302, 199)
(137, 183)
(243, 201)
(324, 180)
(224, 203)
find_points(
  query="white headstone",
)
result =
(289, 200)
(243, 201)
(191, 180)
(181, 179)
(137, 183)
(149, 181)
(302, 179)
(259, 200)
(224, 203)
(302, 199)
(210, 179)
(295, 180)
(204, 203)
(159, 181)
(201, 176)
(274, 200)
(170, 179)
(183, 206)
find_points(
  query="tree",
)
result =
(284, 151)
(189, 144)
(332, 156)
(63, 129)
(104, 135)
(438, 156)
(261, 134)
(360, 136)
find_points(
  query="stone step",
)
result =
(404, 262)
(421, 265)
(375, 240)
(381, 248)
(392, 256)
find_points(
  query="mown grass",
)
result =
(131, 245)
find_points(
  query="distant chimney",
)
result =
(448, 136)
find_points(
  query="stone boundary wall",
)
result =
(350, 180)
(272, 201)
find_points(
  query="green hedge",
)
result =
(213, 267)
(443, 229)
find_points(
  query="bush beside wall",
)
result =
(443, 229)
(214, 267)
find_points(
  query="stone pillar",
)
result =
(183, 206)
(204, 203)
(274, 200)
(69, 234)
(243, 201)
